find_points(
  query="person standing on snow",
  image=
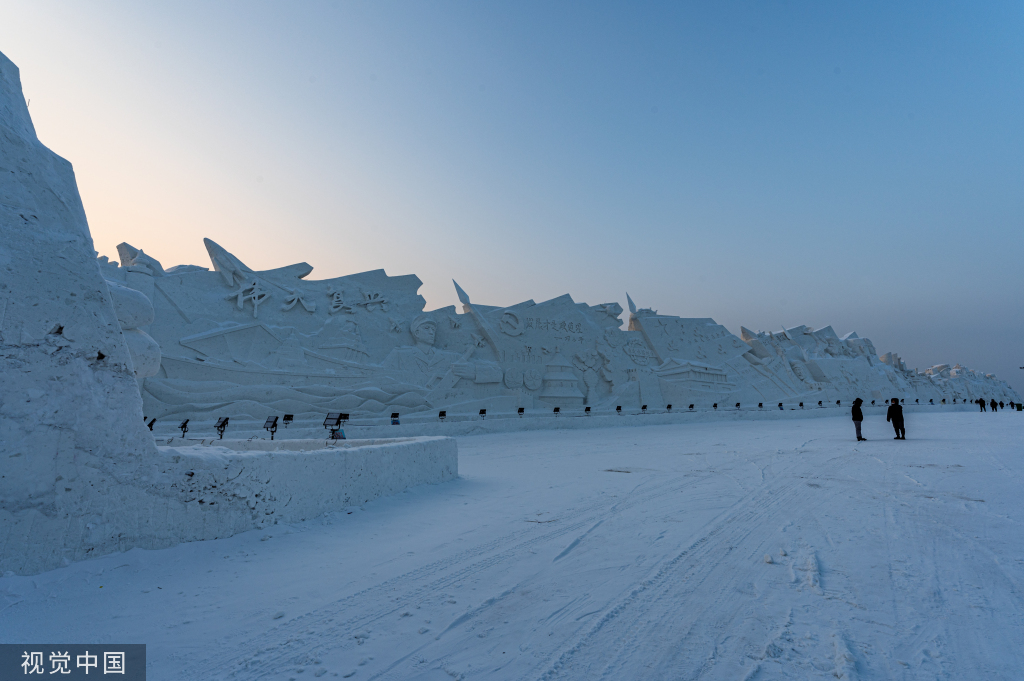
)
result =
(981, 403)
(895, 416)
(858, 418)
(993, 405)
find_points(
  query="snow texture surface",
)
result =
(603, 554)
(71, 434)
(245, 485)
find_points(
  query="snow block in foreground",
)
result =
(230, 486)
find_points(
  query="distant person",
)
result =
(858, 418)
(981, 403)
(895, 416)
(1001, 405)
(993, 405)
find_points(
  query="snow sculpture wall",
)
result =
(240, 343)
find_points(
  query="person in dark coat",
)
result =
(858, 417)
(993, 405)
(981, 403)
(895, 416)
(1001, 405)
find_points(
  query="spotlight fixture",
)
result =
(221, 426)
(333, 422)
(270, 425)
(183, 427)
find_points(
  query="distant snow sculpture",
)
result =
(372, 349)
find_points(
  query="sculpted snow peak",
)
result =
(240, 342)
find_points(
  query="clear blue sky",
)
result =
(763, 163)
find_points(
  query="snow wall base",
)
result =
(209, 489)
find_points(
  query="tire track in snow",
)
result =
(630, 620)
(305, 635)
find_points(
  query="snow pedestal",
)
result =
(234, 486)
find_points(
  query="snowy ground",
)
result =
(763, 550)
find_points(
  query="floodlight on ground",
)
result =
(872, 401)
(819, 403)
(270, 425)
(483, 414)
(441, 415)
(522, 410)
(587, 411)
(691, 407)
(837, 403)
(288, 418)
(618, 410)
(394, 419)
(668, 407)
(221, 426)
(150, 424)
(917, 401)
(643, 409)
(801, 405)
(737, 405)
(183, 427)
(333, 422)
(715, 405)
(780, 406)
(760, 405)
(557, 411)
(931, 401)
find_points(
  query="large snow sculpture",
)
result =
(81, 475)
(72, 438)
(239, 342)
